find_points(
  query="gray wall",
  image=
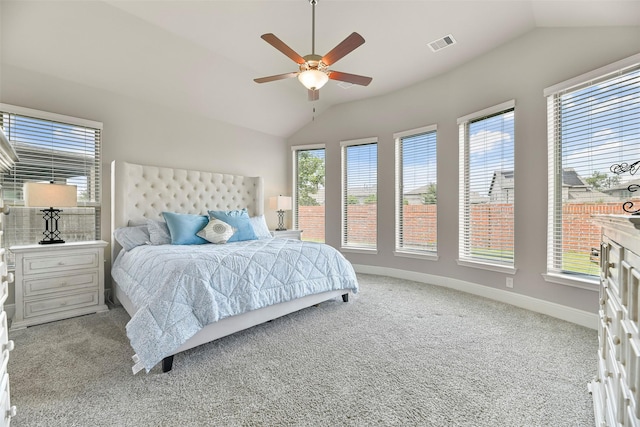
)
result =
(518, 70)
(141, 132)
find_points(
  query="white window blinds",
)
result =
(309, 192)
(487, 189)
(416, 191)
(51, 148)
(359, 193)
(594, 142)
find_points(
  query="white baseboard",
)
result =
(580, 317)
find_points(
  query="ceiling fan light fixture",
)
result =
(313, 79)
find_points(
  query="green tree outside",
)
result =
(310, 178)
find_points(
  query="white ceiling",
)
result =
(202, 56)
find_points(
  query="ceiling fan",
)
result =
(314, 69)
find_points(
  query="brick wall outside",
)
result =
(420, 223)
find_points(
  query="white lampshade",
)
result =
(38, 194)
(280, 203)
(313, 79)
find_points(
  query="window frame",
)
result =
(344, 246)
(66, 121)
(294, 191)
(399, 194)
(464, 192)
(551, 93)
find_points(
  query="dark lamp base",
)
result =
(51, 233)
(49, 242)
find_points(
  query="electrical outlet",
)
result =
(509, 282)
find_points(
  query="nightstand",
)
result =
(58, 281)
(286, 234)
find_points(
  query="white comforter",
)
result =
(180, 289)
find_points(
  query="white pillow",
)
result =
(216, 231)
(259, 225)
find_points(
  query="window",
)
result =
(593, 126)
(308, 204)
(416, 191)
(487, 188)
(56, 148)
(359, 194)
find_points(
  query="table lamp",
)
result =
(281, 204)
(38, 194)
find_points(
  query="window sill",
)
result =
(359, 250)
(576, 282)
(417, 255)
(487, 266)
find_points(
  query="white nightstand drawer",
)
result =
(59, 283)
(287, 234)
(53, 305)
(62, 261)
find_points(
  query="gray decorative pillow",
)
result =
(158, 232)
(216, 231)
(131, 237)
(259, 225)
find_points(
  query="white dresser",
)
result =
(58, 281)
(616, 388)
(7, 158)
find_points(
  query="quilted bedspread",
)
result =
(180, 289)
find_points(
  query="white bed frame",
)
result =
(140, 192)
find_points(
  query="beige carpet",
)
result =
(399, 353)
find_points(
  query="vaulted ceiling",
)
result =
(202, 56)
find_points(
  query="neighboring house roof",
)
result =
(622, 187)
(570, 178)
(419, 191)
(505, 178)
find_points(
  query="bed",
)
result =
(177, 306)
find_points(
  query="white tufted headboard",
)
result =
(139, 192)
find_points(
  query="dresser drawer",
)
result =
(60, 304)
(7, 411)
(61, 261)
(613, 319)
(4, 293)
(33, 286)
(612, 268)
(4, 331)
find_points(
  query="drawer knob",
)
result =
(9, 346)
(61, 263)
(616, 340)
(62, 284)
(611, 264)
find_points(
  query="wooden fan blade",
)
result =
(282, 47)
(274, 78)
(314, 95)
(347, 45)
(350, 78)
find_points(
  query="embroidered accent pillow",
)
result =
(216, 231)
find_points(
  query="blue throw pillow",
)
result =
(238, 219)
(183, 228)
